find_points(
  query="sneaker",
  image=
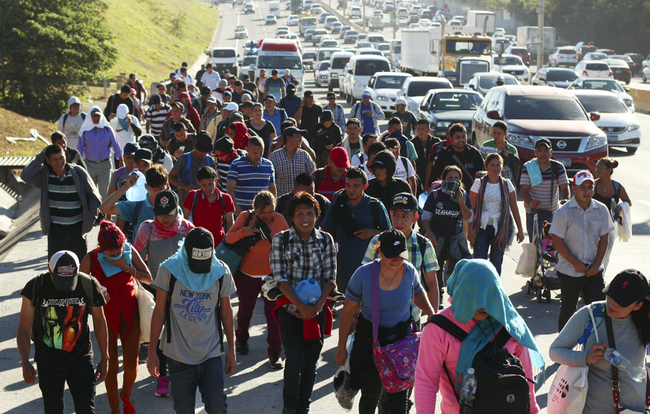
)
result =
(143, 352)
(275, 362)
(241, 347)
(162, 390)
(128, 407)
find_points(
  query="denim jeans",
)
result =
(81, 382)
(483, 243)
(301, 360)
(207, 376)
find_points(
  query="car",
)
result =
(454, 23)
(584, 49)
(321, 74)
(533, 112)
(355, 11)
(415, 26)
(388, 7)
(616, 119)
(293, 20)
(329, 21)
(514, 66)
(249, 8)
(594, 56)
(364, 37)
(608, 85)
(309, 35)
(637, 58)
(350, 36)
(520, 51)
(344, 29)
(384, 48)
(287, 6)
(482, 82)
(620, 70)
(281, 32)
(369, 51)
(384, 87)
(634, 67)
(363, 45)
(270, 19)
(318, 35)
(338, 62)
(378, 13)
(415, 88)
(316, 9)
(608, 52)
(413, 18)
(248, 66)
(359, 70)
(293, 36)
(460, 18)
(277, 29)
(323, 16)
(241, 32)
(308, 58)
(556, 77)
(443, 107)
(425, 22)
(329, 43)
(594, 69)
(563, 56)
(336, 27)
(403, 13)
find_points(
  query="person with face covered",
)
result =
(442, 220)
(127, 127)
(290, 102)
(71, 121)
(193, 349)
(324, 136)
(383, 186)
(188, 111)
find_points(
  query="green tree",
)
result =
(49, 49)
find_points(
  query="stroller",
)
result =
(545, 278)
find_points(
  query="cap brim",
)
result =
(165, 211)
(201, 148)
(619, 297)
(200, 266)
(344, 164)
(65, 284)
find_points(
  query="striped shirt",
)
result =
(250, 179)
(542, 191)
(63, 197)
(222, 169)
(415, 255)
(156, 118)
(286, 170)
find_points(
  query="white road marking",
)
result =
(645, 203)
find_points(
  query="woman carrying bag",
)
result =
(628, 309)
(117, 265)
(398, 283)
(255, 265)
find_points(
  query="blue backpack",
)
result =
(188, 167)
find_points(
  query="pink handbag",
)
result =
(395, 362)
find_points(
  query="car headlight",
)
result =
(629, 103)
(596, 141)
(383, 98)
(633, 127)
(521, 140)
(323, 76)
(443, 124)
(357, 83)
(334, 75)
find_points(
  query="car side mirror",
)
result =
(472, 87)
(350, 71)
(594, 116)
(542, 79)
(423, 108)
(626, 89)
(493, 115)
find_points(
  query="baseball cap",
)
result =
(222, 83)
(94, 111)
(326, 116)
(203, 142)
(287, 72)
(247, 104)
(274, 72)
(227, 93)
(367, 94)
(627, 287)
(205, 90)
(130, 148)
(172, 75)
(339, 156)
(143, 154)
(199, 247)
(211, 99)
(308, 94)
(270, 97)
(543, 141)
(166, 203)
(155, 99)
(73, 100)
(244, 76)
(64, 266)
(404, 201)
(293, 130)
(231, 106)
(393, 244)
(178, 105)
(236, 116)
(583, 176)
(400, 101)
(291, 86)
(225, 144)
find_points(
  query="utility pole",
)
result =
(540, 34)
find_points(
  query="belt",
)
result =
(97, 162)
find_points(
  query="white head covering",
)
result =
(73, 100)
(88, 122)
(122, 111)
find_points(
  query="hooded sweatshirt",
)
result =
(70, 125)
(393, 185)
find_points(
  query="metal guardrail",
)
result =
(15, 162)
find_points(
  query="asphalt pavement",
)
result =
(255, 387)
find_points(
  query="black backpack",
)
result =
(502, 386)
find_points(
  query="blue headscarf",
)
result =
(177, 264)
(473, 285)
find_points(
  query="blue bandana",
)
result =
(177, 264)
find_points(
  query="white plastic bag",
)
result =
(146, 304)
(527, 260)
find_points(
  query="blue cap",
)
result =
(130, 148)
(173, 75)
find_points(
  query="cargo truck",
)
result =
(480, 22)
(527, 36)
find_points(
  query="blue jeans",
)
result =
(483, 243)
(300, 365)
(207, 376)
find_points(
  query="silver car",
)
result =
(563, 56)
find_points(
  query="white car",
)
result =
(355, 11)
(616, 119)
(321, 74)
(414, 89)
(363, 45)
(282, 28)
(384, 48)
(608, 85)
(328, 42)
(329, 21)
(293, 20)
(384, 87)
(270, 19)
(513, 65)
(594, 69)
(403, 13)
(241, 33)
(415, 26)
(563, 56)
(425, 23)
(369, 51)
(595, 56)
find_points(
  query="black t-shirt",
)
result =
(447, 220)
(310, 116)
(174, 145)
(60, 328)
(264, 133)
(250, 86)
(471, 160)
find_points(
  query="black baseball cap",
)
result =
(199, 247)
(404, 201)
(143, 154)
(293, 130)
(225, 144)
(393, 244)
(627, 287)
(155, 99)
(203, 142)
(166, 203)
(308, 94)
(130, 148)
(543, 141)
(64, 266)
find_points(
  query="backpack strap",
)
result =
(218, 314)
(65, 119)
(87, 284)
(617, 190)
(136, 214)
(320, 173)
(172, 283)
(188, 165)
(448, 326)
(422, 244)
(195, 201)
(406, 167)
(361, 156)
(374, 210)
(285, 239)
(37, 288)
(501, 338)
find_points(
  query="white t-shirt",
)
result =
(211, 80)
(71, 129)
(491, 211)
(124, 135)
(402, 173)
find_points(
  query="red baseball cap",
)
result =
(340, 157)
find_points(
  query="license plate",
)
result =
(612, 138)
(564, 161)
(617, 71)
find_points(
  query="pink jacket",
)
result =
(437, 346)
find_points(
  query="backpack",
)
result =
(502, 386)
(67, 114)
(172, 284)
(320, 173)
(341, 200)
(188, 166)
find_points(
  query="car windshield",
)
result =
(519, 50)
(383, 47)
(278, 62)
(618, 63)
(390, 82)
(308, 21)
(309, 55)
(371, 52)
(597, 56)
(321, 32)
(324, 66)
(223, 53)
(543, 107)
(511, 60)
(561, 76)
(361, 45)
(249, 60)
(422, 87)
(340, 62)
(488, 83)
(330, 43)
(475, 47)
(603, 104)
(370, 67)
(376, 39)
(604, 85)
(455, 101)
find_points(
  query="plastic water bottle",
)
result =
(468, 388)
(138, 192)
(619, 361)
(308, 291)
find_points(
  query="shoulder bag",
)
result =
(146, 305)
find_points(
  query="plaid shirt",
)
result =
(415, 258)
(286, 170)
(302, 260)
